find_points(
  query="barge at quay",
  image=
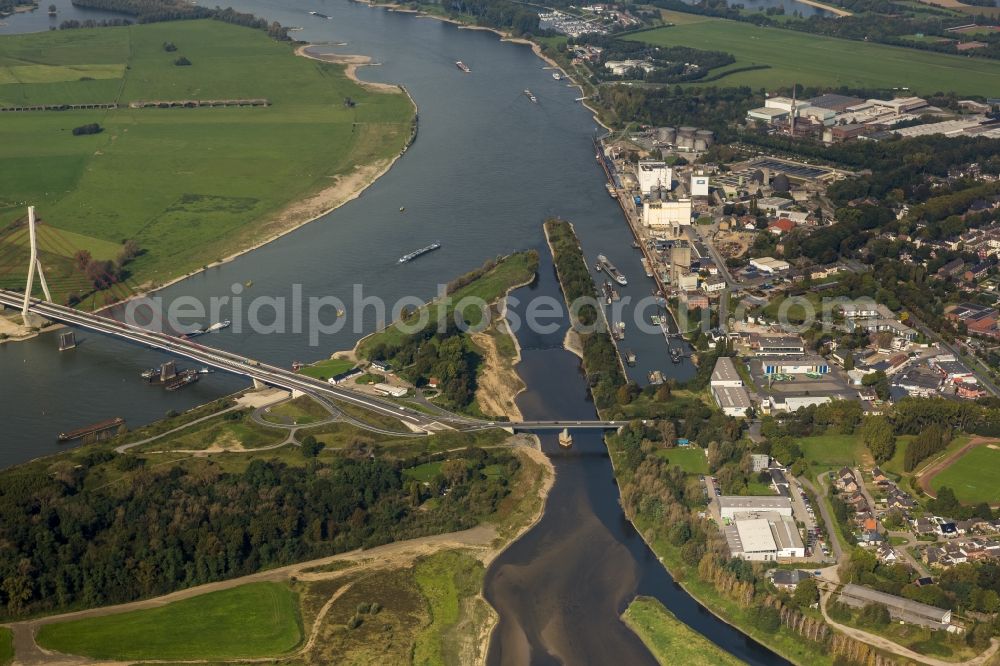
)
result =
(603, 264)
(99, 429)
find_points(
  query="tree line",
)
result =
(73, 540)
(600, 358)
(156, 11)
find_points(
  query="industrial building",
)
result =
(390, 390)
(670, 216)
(793, 403)
(900, 608)
(777, 345)
(725, 374)
(727, 388)
(765, 539)
(653, 175)
(776, 365)
(770, 265)
(733, 401)
(699, 185)
(734, 506)
(713, 285)
(767, 115)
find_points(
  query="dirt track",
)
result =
(483, 540)
(29, 653)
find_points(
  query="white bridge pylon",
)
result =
(33, 264)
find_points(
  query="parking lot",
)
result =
(805, 513)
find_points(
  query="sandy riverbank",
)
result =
(498, 381)
(351, 64)
(840, 13)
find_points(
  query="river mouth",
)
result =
(488, 168)
(561, 588)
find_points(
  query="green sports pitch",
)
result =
(975, 477)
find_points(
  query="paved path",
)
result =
(883, 643)
(903, 550)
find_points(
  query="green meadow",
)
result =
(815, 60)
(252, 620)
(670, 640)
(189, 185)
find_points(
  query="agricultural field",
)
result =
(670, 640)
(823, 61)
(975, 477)
(252, 620)
(962, 8)
(221, 177)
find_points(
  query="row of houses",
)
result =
(978, 549)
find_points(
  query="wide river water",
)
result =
(487, 169)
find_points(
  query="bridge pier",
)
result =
(257, 384)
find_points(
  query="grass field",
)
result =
(831, 451)
(670, 640)
(691, 459)
(450, 581)
(975, 477)
(424, 472)
(190, 186)
(6, 646)
(218, 433)
(814, 60)
(253, 620)
(300, 411)
(326, 369)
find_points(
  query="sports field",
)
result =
(975, 477)
(253, 620)
(814, 60)
(189, 185)
(691, 459)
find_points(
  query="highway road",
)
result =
(262, 373)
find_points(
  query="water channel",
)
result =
(487, 169)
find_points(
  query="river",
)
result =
(487, 169)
